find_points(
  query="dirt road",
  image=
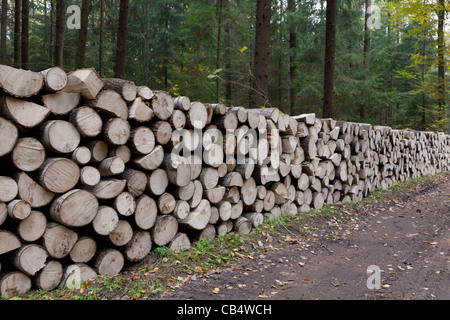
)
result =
(406, 238)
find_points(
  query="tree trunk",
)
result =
(25, 36)
(441, 61)
(292, 57)
(59, 31)
(102, 31)
(4, 23)
(17, 34)
(82, 34)
(218, 46)
(363, 110)
(330, 47)
(122, 35)
(262, 48)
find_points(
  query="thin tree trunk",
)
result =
(363, 110)
(219, 34)
(330, 47)
(147, 43)
(121, 49)
(82, 34)
(59, 32)
(227, 63)
(51, 44)
(441, 62)
(262, 49)
(4, 22)
(102, 31)
(292, 58)
(17, 35)
(25, 31)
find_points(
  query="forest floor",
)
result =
(405, 231)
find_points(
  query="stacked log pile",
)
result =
(97, 172)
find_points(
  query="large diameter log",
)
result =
(122, 234)
(165, 228)
(142, 140)
(127, 89)
(59, 136)
(146, 212)
(108, 262)
(49, 277)
(105, 221)
(32, 192)
(139, 246)
(29, 258)
(84, 81)
(83, 250)
(162, 105)
(20, 83)
(8, 189)
(178, 170)
(58, 240)
(32, 227)
(199, 217)
(28, 154)
(14, 283)
(61, 103)
(242, 225)
(8, 241)
(74, 275)
(26, 114)
(75, 208)
(87, 121)
(110, 103)
(55, 79)
(180, 242)
(197, 116)
(116, 131)
(8, 136)
(209, 178)
(58, 175)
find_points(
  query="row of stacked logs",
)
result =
(97, 172)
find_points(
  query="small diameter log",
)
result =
(162, 104)
(19, 209)
(8, 189)
(111, 166)
(49, 277)
(59, 136)
(75, 208)
(208, 233)
(58, 175)
(87, 121)
(165, 228)
(89, 176)
(55, 79)
(127, 89)
(157, 182)
(214, 155)
(28, 154)
(228, 121)
(181, 210)
(237, 209)
(178, 119)
(83, 250)
(166, 203)
(182, 103)
(196, 116)
(198, 194)
(209, 177)
(108, 262)
(142, 140)
(162, 131)
(8, 241)
(199, 217)
(99, 150)
(109, 103)
(105, 221)
(14, 283)
(255, 218)
(136, 181)
(108, 188)
(122, 234)
(146, 212)
(74, 275)
(139, 246)
(61, 103)
(84, 81)
(180, 242)
(32, 227)
(184, 193)
(231, 179)
(29, 258)
(178, 170)
(116, 131)
(152, 160)
(249, 191)
(20, 83)
(122, 151)
(23, 113)
(139, 111)
(214, 195)
(31, 191)
(144, 92)
(224, 208)
(8, 136)
(242, 225)
(125, 204)
(58, 240)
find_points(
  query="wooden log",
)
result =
(213, 156)
(59, 136)
(75, 208)
(224, 208)
(49, 277)
(84, 81)
(162, 104)
(242, 225)
(25, 114)
(19, 209)
(209, 177)
(108, 188)
(127, 89)
(125, 204)
(58, 240)
(178, 169)
(249, 191)
(55, 79)
(181, 210)
(81, 155)
(139, 111)
(280, 191)
(199, 217)
(109, 103)
(20, 83)
(166, 203)
(136, 181)
(8, 241)
(105, 221)
(8, 188)
(61, 103)
(178, 119)
(157, 182)
(8, 136)
(228, 121)
(29, 190)
(111, 166)
(76, 275)
(232, 179)
(208, 233)
(138, 247)
(182, 103)
(144, 92)
(99, 150)
(58, 175)
(122, 234)
(116, 131)
(32, 227)
(257, 206)
(256, 218)
(236, 209)
(14, 283)
(185, 192)
(162, 131)
(89, 176)
(121, 151)
(83, 250)
(196, 116)
(215, 194)
(146, 212)
(180, 242)
(165, 228)
(108, 262)
(87, 121)
(152, 160)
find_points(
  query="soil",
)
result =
(406, 235)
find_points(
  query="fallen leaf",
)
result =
(262, 296)
(216, 290)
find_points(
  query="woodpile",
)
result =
(97, 172)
